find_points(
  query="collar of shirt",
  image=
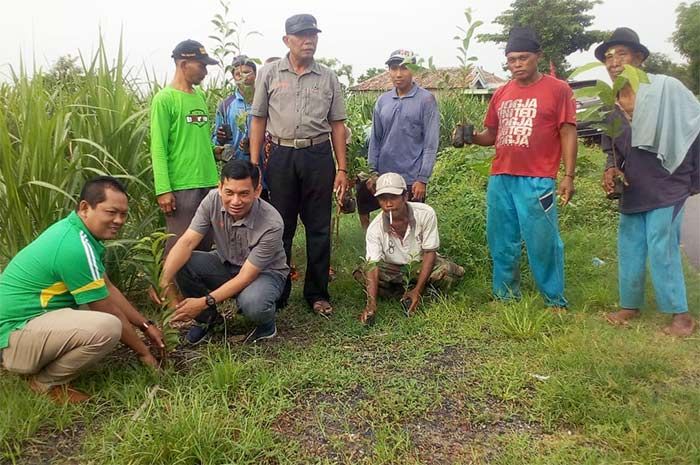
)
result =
(285, 65)
(411, 93)
(239, 96)
(77, 221)
(249, 220)
(411, 222)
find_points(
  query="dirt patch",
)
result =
(460, 429)
(51, 447)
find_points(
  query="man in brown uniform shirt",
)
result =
(301, 104)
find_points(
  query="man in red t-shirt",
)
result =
(532, 122)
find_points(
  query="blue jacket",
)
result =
(227, 113)
(405, 134)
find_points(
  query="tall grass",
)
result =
(53, 138)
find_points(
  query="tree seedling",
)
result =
(149, 257)
(599, 113)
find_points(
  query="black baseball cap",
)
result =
(300, 23)
(192, 50)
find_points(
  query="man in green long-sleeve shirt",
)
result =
(184, 169)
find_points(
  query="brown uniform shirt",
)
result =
(298, 106)
(256, 238)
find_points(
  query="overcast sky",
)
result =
(357, 32)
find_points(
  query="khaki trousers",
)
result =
(57, 345)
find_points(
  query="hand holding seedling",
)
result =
(340, 185)
(418, 191)
(609, 177)
(155, 335)
(149, 360)
(414, 296)
(371, 184)
(189, 308)
(168, 298)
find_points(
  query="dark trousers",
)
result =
(301, 185)
(186, 204)
(205, 272)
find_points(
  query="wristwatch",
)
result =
(211, 301)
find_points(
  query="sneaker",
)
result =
(200, 331)
(261, 332)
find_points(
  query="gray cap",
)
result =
(299, 23)
(390, 183)
(401, 56)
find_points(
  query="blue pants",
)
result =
(524, 208)
(204, 272)
(655, 235)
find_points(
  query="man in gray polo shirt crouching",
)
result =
(249, 262)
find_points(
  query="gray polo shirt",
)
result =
(256, 238)
(298, 106)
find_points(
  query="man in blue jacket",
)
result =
(405, 133)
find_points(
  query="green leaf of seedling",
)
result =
(584, 68)
(590, 114)
(456, 38)
(605, 93)
(471, 30)
(472, 58)
(620, 82)
(468, 15)
(582, 92)
(634, 76)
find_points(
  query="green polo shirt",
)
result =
(62, 268)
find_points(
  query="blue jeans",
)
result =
(205, 272)
(655, 235)
(525, 208)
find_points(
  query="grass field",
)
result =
(463, 382)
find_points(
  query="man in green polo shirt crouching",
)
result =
(41, 331)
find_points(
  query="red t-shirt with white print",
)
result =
(527, 120)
